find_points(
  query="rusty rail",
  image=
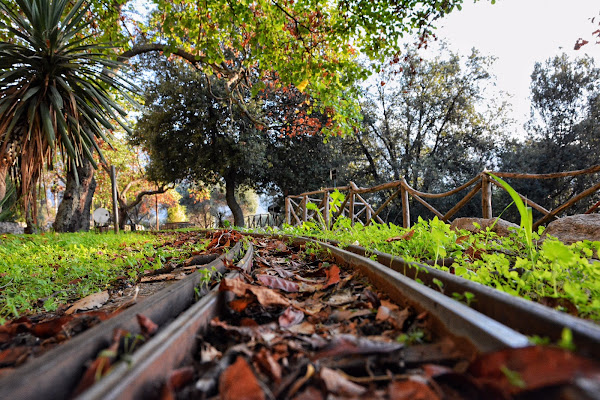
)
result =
(357, 209)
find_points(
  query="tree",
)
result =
(54, 97)
(190, 135)
(563, 129)
(133, 186)
(428, 121)
(308, 43)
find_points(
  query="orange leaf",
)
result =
(411, 390)
(148, 327)
(238, 382)
(537, 367)
(333, 276)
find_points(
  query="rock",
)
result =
(11, 227)
(575, 228)
(501, 227)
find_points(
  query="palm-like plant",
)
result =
(55, 89)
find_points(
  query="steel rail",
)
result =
(55, 374)
(141, 376)
(149, 368)
(523, 315)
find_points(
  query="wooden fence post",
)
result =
(486, 195)
(288, 211)
(405, 207)
(304, 209)
(326, 209)
(351, 206)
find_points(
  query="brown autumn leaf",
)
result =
(240, 304)
(265, 361)
(13, 356)
(290, 317)
(411, 390)
(407, 236)
(101, 365)
(278, 283)
(350, 345)
(516, 370)
(238, 382)
(94, 300)
(50, 327)
(265, 296)
(333, 276)
(337, 384)
(147, 326)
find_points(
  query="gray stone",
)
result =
(575, 228)
(500, 226)
(11, 227)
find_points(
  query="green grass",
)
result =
(41, 272)
(516, 264)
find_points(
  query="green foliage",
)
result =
(43, 272)
(55, 88)
(513, 264)
(176, 214)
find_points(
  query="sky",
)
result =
(520, 33)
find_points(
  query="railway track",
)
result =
(375, 330)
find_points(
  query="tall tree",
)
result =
(563, 130)
(308, 43)
(54, 94)
(429, 122)
(190, 135)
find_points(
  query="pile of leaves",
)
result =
(301, 327)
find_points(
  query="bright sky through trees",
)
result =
(520, 33)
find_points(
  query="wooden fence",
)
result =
(262, 220)
(357, 209)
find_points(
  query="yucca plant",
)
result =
(55, 89)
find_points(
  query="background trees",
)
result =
(427, 120)
(563, 130)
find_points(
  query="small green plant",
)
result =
(414, 337)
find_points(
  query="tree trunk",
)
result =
(3, 171)
(236, 210)
(73, 213)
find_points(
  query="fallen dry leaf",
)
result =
(529, 368)
(101, 365)
(95, 300)
(264, 359)
(290, 317)
(147, 326)
(407, 236)
(278, 283)
(265, 296)
(238, 382)
(338, 384)
(411, 390)
(333, 276)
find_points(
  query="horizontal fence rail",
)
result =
(320, 206)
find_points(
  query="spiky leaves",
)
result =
(55, 88)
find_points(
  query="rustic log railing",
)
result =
(262, 220)
(357, 209)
